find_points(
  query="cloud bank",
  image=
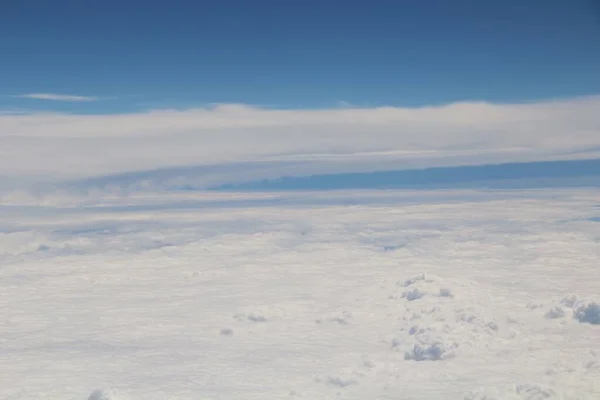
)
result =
(53, 146)
(57, 97)
(396, 293)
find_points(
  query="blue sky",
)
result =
(199, 94)
(137, 55)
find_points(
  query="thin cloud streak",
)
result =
(58, 97)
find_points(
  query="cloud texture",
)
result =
(54, 146)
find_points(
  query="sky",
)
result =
(150, 84)
(133, 54)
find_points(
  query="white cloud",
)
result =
(57, 97)
(303, 297)
(64, 145)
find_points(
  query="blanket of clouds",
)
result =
(453, 294)
(47, 147)
(399, 201)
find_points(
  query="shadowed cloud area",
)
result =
(508, 175)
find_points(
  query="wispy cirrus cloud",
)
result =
(57, 97)
(12, 111)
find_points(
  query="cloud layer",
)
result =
(303, 296)
(55, 146)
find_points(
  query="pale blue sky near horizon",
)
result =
(130, 55)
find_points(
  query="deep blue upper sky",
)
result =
(277, 53)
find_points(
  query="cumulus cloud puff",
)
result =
(58, 145)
